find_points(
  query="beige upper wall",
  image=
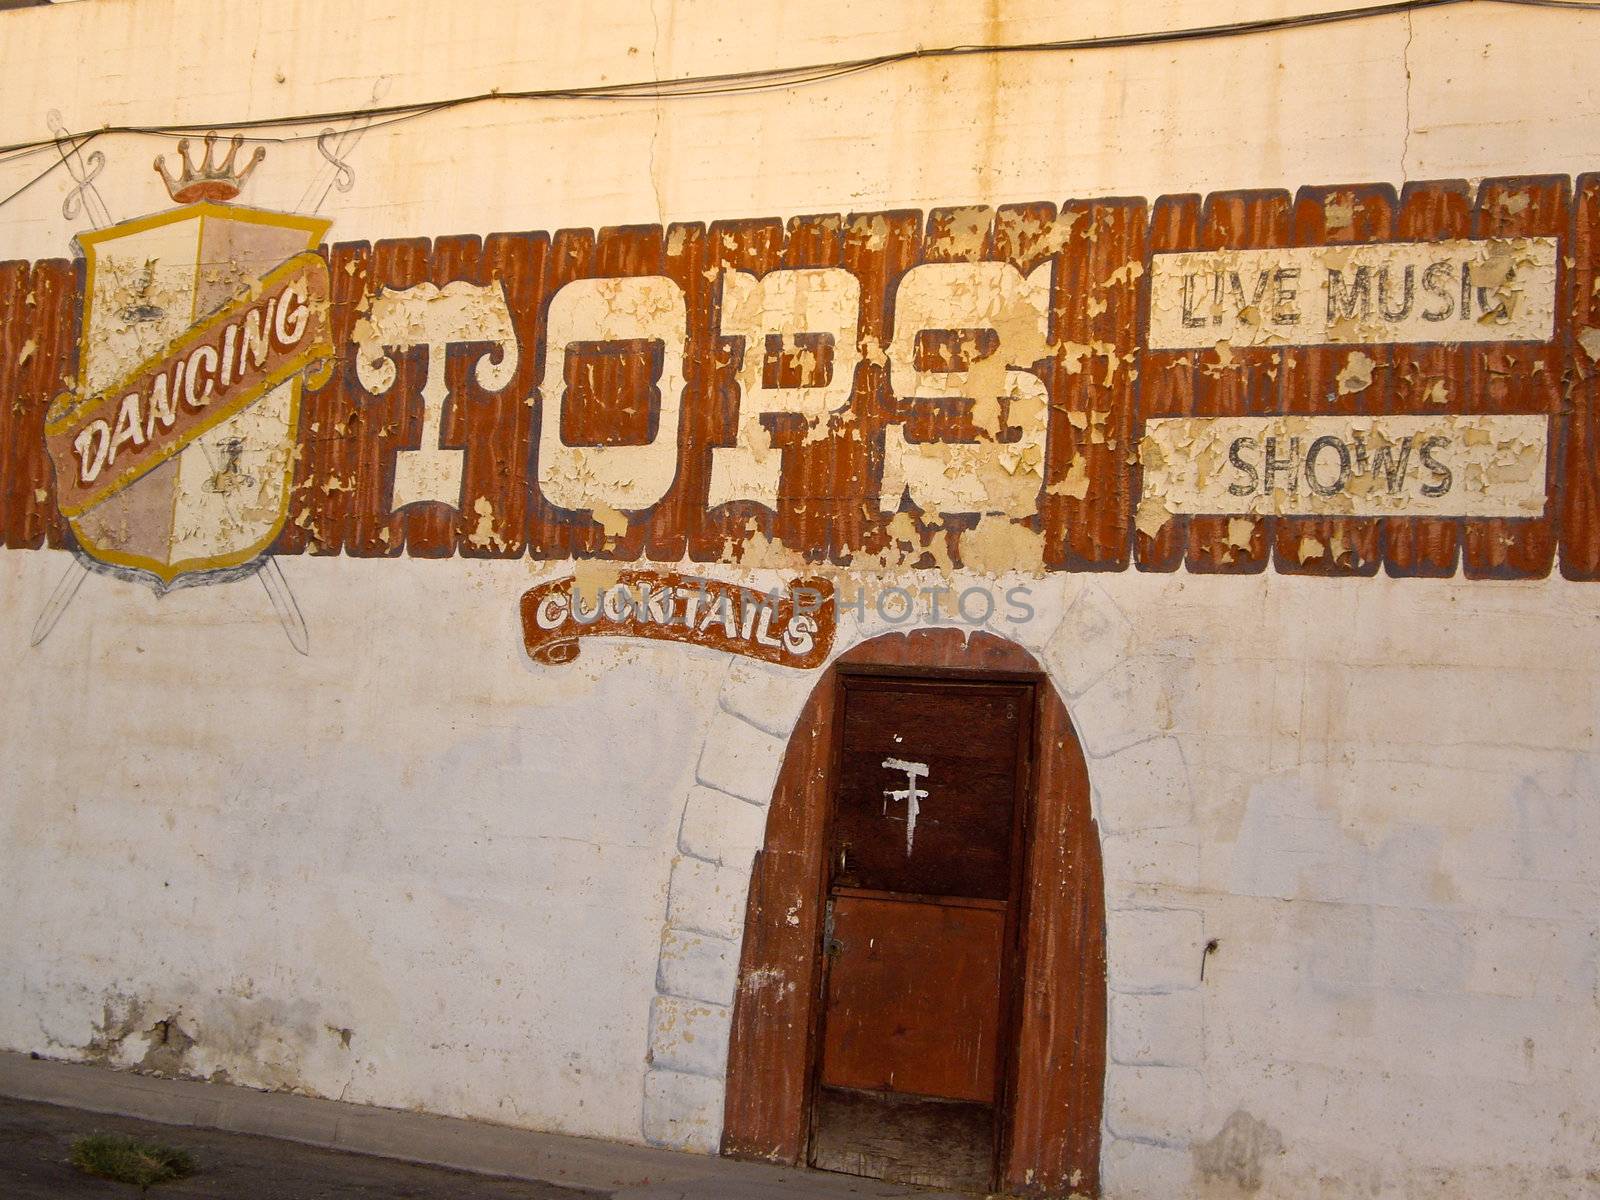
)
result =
(1446, 92)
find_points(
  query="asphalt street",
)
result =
(35, 1140)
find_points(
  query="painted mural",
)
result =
(1338, 382)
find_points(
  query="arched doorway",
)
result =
(1049, 1037)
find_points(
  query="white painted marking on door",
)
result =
(911, 793)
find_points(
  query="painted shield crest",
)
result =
(174, 455)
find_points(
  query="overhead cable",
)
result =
(768, 79)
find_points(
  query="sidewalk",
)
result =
(259, 1145)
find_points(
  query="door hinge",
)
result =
(830, 945)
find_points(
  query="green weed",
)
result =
(129, 1159)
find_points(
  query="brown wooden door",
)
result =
(921, 917)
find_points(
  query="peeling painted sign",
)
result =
(104, 442)
(1495, 290)
(1443, 466)
(791, 626)
(1034, 387)
(175, 452)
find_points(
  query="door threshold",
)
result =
(919, 1140)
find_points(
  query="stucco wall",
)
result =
(416, 869)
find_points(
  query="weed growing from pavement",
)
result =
(129, 1159)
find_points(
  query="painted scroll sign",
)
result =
(1336, 382)
(791, 627)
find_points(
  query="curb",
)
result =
(625, 1171)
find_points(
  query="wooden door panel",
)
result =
(930, 1143)
(1049, 1108)
(954, 836)
(914, 998)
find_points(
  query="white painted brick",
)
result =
(1132, 1170)
(721, 828)
(1135, 702)
(707, 898)
(768, 697)
(689, 1035)
(1160, 1104)
(683, 1111)
(1092, 638)
(1513, 956)
(697, 966)
(1420, 951)
(1153, 950)
(739, 759)
(1162, 856)
(1049, 599)
(1292, 847)
(1484, 707)
(1158, 1029)
(1336, 941)
(854, 628)
(1145, 786)
(1419, 1032)
(1566, 855)
(1489, 872)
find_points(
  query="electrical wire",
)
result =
(34, 182)
(744, 82)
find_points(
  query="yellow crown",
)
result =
(219, 182)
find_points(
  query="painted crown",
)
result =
(209, 182)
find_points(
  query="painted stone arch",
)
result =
(1053, 1111)
(1130, 714)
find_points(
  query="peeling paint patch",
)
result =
(1356, 375)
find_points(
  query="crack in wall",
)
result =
(1405, 137)
(655, 136)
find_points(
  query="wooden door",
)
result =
(923, 879)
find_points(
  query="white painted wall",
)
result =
(516, 887)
